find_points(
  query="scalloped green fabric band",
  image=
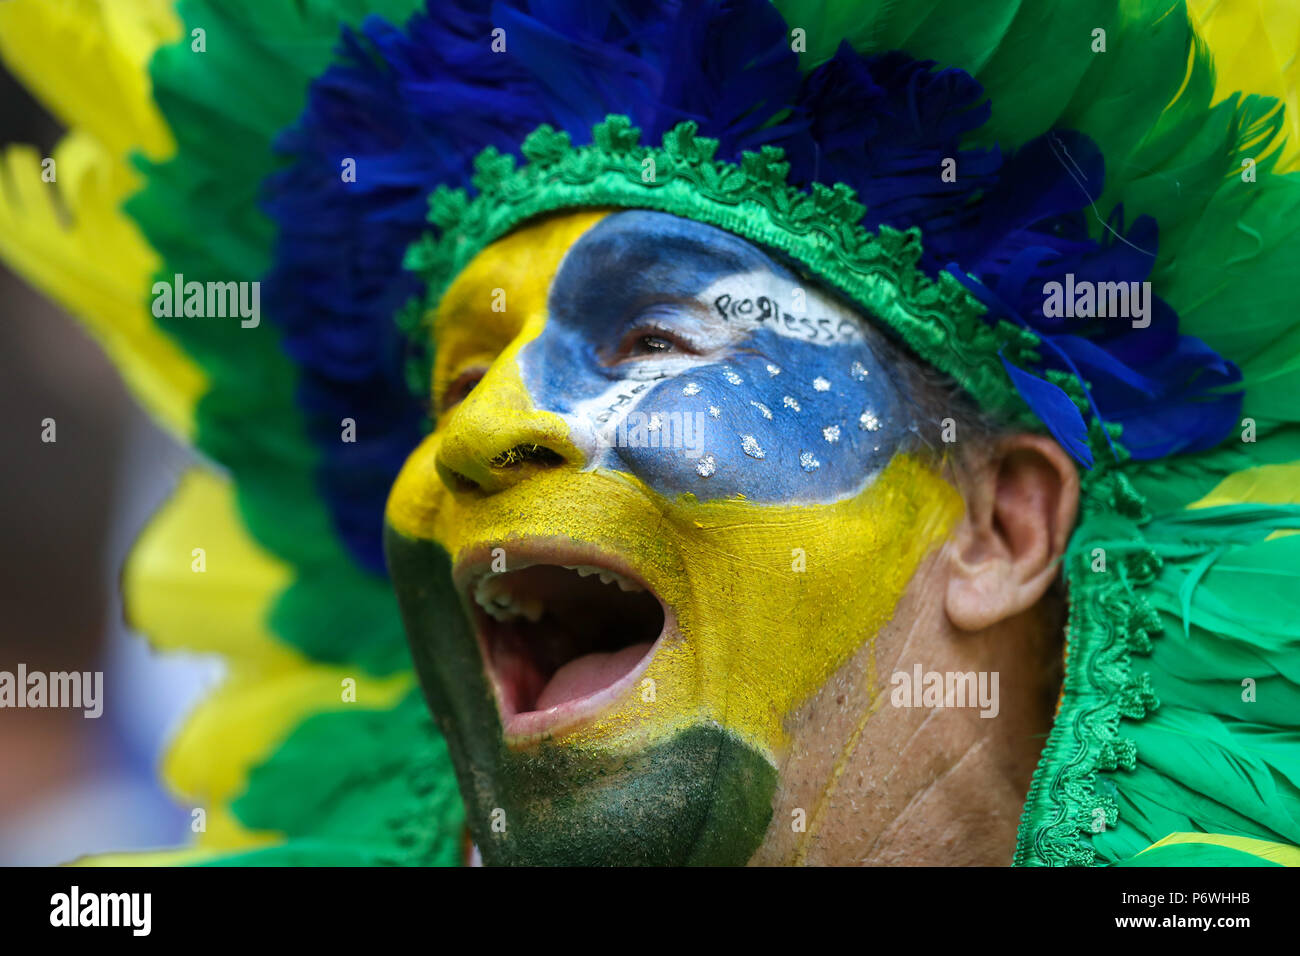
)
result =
(1109, 620)
(820, 230)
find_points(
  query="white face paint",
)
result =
(595, 422)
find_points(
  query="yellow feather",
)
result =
(70, 239)
(1262, 485)
(244, 722)
(269, 688)
(1280, 853)
(185, 857)
(189, 855)
(87, 59)
(221, 609)
(1256, 48)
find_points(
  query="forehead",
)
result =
(637, 257)
(660, 250)
(557, 257)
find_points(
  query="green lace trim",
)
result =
(940, 322)
(1110, 620)
(819, 229)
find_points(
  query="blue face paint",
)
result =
(689, 358)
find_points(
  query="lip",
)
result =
(531, 727)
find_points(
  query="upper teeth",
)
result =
(606, 576)
(494, 596)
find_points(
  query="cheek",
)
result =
(783, 421)
(776, 598)
(417, 502)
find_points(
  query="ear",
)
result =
(1020, 510)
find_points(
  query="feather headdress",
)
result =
(1094, 141)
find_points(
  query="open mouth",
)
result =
(561, 642)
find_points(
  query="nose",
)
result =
(496, 438)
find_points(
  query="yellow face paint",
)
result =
(498, 305)
(757, 635)
(769, 599)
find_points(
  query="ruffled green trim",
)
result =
(1108, 564)
(819, 229)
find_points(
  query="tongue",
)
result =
(588, 674)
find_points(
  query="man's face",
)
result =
(665, 501)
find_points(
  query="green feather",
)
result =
(200, 211)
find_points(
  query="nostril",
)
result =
(465, 473)
(527, 453)
(459, 482)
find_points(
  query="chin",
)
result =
(699, 797)
(518, 666)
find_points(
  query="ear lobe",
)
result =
(1020, 510)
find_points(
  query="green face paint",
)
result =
(699, 797)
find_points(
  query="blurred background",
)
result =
(69, 511)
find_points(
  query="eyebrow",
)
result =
(675, 238)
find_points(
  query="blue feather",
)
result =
(1050, 403)
(413, 104)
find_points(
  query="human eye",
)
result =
(652, 340)
(460, 386)
(661, 331)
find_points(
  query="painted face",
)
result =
(668, 496)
